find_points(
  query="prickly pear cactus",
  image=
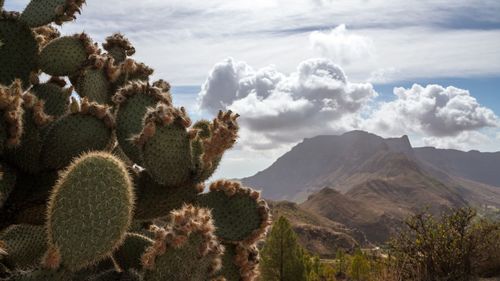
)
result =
(101, 176)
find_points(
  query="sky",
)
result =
(297, 69)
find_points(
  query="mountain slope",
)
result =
(374, 183)
(475, 166)
(316, 233)
(321, 161)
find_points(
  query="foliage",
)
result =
(284, 259)
(106, 183)
(457, 246)
(282, 256)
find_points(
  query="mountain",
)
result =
(316, 233)
(370, 184)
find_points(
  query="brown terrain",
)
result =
(362, 186)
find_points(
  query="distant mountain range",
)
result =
(370, 184)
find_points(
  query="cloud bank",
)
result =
(285, 108)
(281, 109)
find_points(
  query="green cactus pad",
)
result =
(25, 245)
(26, 155)
(113, 275)
(18, 52)
(43, 12)
(239, 213)
(11, 121)
(93, 198)
(7, 182)
(133, 100)
(29, 197)
(186, 249)
(94, 84)
(239, 262)
(130, 70)
(129, 254)
(54, 95)
(155, 200)
(165, 142)
(42, 275)
(214, 139)
(84, 130)
(118, 47)
(64, 56)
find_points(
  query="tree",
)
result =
(457, 246)
(360, 268)
(282, 258)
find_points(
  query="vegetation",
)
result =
(458, 246)
(106, 183)
(283, 259)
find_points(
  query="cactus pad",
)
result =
(7, 182)
(238, 212)
(240, 262)
(42, 12)
(133, 100)
(186, 249)
(18, 51)
(25, 245)
(164, 144)
(11, 115)
(118, 47)
(64, 56)
(155, 200)
(54, 96)
(69, 136)
(129, 254)
(93, 198)
(26, 155)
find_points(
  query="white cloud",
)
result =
(432, 111)
(280, 109)
(463, 141)
(341, 45)
(315, 99)
(181, 39)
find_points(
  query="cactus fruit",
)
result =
(107, 182)
(93, 198)
(186, 249)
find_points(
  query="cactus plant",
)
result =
(103, 178)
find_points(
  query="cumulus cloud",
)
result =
(315, 99)
(341, 45)
(433, 111)
(463, 141)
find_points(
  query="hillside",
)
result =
(374, 183)
(316, 233)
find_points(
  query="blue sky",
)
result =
(307, 67)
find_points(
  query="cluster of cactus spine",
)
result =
(101, 177)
